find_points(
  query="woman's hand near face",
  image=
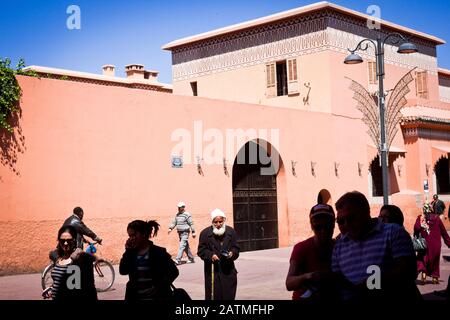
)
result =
(130, 244)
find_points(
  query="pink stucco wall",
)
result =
(108, 150)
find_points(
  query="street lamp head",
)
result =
(407, 47)
(353, 58)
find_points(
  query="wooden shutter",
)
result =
(271, 80)
(292, 76)
(421, 85)
(372, 72)
(418, 83)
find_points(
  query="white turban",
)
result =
(217, 213)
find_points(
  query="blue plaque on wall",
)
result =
(177, 162)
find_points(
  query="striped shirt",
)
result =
(383, 244)
(183, 222)
(58, 275)
(145, 287)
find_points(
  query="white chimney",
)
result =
(109, 70)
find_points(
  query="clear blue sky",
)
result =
(122, 32)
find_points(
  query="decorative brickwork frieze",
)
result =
(316, 32)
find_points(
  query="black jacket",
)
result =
(163, 270)
(81, 228)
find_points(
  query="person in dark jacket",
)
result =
(218, 249)
(150, 268)
(75, 221)
(438, 206)
(73, 273)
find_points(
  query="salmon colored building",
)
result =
(132, 148)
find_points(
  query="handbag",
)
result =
(179, 294)
(419, 243)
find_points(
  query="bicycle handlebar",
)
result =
(94, 242)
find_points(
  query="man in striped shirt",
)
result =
(373, 260)
(184, 224)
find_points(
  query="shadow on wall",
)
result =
(12, 143)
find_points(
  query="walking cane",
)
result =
(212, 280)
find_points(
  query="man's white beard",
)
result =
(219, 232)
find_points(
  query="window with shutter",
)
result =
(372, 66)
(292, 76)
(418, 83)
(421, 85)
(271, 88)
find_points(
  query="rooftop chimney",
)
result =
(135, 71)
(109, 70)
(151, 75)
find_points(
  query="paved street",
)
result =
(261, 276)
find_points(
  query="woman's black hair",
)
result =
(395, 214)
(147, 228)
(73, 233)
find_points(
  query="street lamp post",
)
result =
(353, 58)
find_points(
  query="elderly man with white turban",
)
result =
(218, 249)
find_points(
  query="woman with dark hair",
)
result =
(390, 213)
(73, 274)
(430, 226)
(309, 275)
(150, 268)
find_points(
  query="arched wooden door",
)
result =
(442, 176)
(254, 200)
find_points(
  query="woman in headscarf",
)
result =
(430, 227)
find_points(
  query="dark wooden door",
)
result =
(254, 205)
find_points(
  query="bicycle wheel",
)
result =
(46, 277)
(104, 275)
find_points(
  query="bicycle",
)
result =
(104, 274)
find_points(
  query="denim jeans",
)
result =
(184, 246)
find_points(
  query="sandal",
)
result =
(424, 278)
(435, 280)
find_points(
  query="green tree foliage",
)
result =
(10, 91)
